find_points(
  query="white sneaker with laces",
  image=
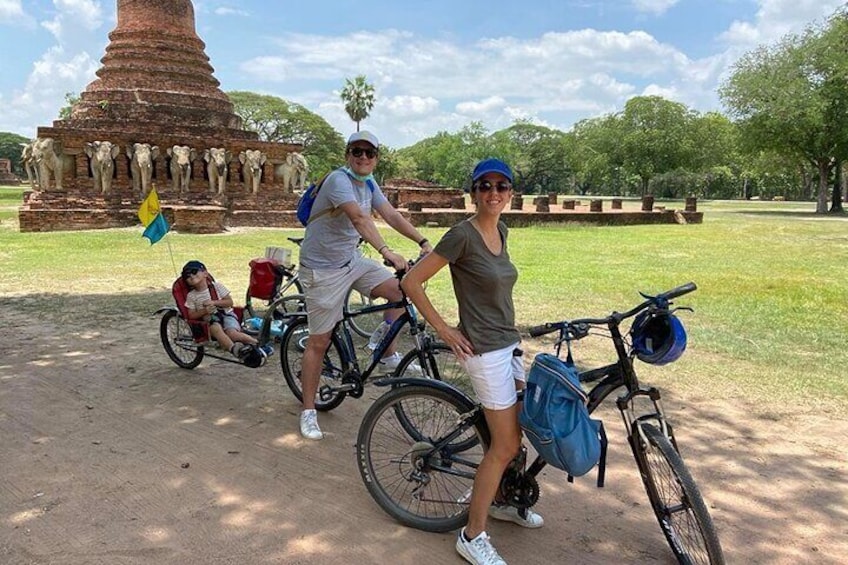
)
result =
(478, 550)
(390, 363)
(526, 518)
(309, 425)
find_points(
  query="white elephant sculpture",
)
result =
(252, 161)
(29, 164)
(181, 158)
(102, 155)
(49, 156)
(217, 163)
(141, 157)
(301, 171)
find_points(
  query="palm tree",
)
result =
(358, 98)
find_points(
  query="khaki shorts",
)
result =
(326, 290)
(493, 377)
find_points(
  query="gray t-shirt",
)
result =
(483, 283)
(331, 240)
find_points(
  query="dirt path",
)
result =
(111, 454)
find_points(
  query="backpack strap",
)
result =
(369, 182)
(315, 195)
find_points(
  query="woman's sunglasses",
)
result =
(486, 186)
(360, 151)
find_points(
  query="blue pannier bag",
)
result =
(555, 419)
(307, 200)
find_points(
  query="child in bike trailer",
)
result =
(210, 301)
(485, 341)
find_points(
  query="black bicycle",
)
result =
(341, 374)
(288, 284)
(421, 442)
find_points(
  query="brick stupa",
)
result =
(156, 86)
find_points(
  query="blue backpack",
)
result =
(555, 419)
(307, 200)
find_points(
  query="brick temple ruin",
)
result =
(155, 115)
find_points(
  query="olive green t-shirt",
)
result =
(482, 282)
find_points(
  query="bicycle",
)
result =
(289, 285)
(420, 443)
(341, 374)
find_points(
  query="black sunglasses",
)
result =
(486, 186)
(190, 273)
(360, 151)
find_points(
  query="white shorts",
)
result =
(493, 377)
(326, 290)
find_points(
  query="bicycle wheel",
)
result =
(293, 345)
(178, 341)
(365, 324)
(675, 499)
(291, 287)
(440, 363)
(422, 483)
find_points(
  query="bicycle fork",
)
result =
(625, 405)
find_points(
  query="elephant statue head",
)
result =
(141, 157)
(252, 161)
(102, 155)
(181, 158)
(301, 171)
(49, 157)
(217, 162)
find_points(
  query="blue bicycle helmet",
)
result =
(658, 337)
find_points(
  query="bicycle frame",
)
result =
(354, 380)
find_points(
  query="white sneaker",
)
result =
(479, 550)
(309, 425)
(389, 364)
(525, 518)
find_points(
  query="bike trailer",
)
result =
(555, 419)
(199, 328)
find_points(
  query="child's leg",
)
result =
(241, 337)
(218, 334)
(233, 330)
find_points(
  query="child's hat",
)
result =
(193, 265)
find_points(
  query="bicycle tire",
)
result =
(675, 499)
(292, 346)
(178, 341)
(294, 289)
(437, 361)
(440, 363)
(423, 490)
(365, 324)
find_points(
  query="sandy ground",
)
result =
(112, 454)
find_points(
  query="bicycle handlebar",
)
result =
(576, 329)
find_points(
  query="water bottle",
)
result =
(377, 336)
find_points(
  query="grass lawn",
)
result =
(770, 317)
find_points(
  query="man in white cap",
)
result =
(331, 263)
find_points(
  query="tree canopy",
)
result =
(10, 148)
(276, 119)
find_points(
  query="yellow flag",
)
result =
(149, 209)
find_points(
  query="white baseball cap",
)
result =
(366, 136)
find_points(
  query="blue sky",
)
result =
(436, 65)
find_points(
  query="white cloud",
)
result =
(228, 11)
(775, 19)
(10, 10)
(73, 17)
(481, 107)
(407, 105)
(656, 7)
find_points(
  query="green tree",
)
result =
(10, 148)
(358, 98)
(538, 156)
(275, 119)
(655, 137)
(71, 100)
(790, 98)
